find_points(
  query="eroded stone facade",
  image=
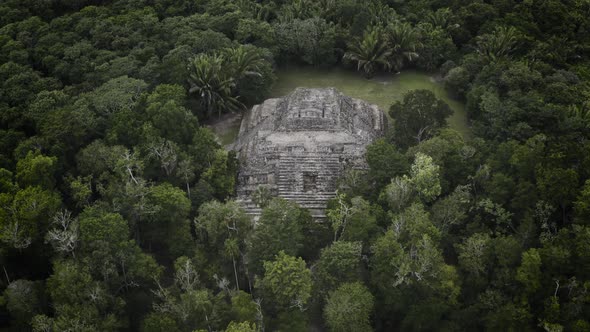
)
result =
(299, 145)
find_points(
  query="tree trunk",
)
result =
(235, 272)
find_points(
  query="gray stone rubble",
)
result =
(299, 145)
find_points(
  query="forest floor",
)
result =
(226, 127)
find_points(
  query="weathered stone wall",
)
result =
(299, 145)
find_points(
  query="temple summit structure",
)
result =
(300, 144)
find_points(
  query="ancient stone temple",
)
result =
(299, 145)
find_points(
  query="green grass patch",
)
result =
(382, 90)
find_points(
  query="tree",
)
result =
(370, 52)
(23, 300)
(251, 67)
(205, 146)
(64, 237)
(280, 228)
(499, 44)
(191, 306)
(243, 61)
(158, 322)
(338, 263)
(24, 216)
(241, 327)
(171, 119)
(385, 162)
(582, 205)
(222, 221)
(408, 270)
(259, 33)
(165, 153)
(116, 95)
(339, 216)
(227, 227)
(262, 196)
(529, 273)
(169, 223)
(110, 256)
(475, 254)
(311, 40)
(440, 18)
(418, 117)
(399, 193)
(425, 177)
(458, 80)
(408, 252)
(404, 42)
(352, 222)
(212, 84)
(436, 46)
(456, 158)
(36, 170)
(20, 84)
(450, 212)
(557, 185)
(286, 282)
(221, 174)
(244, 308)
(218, 78)
(349, 308)
(80, 302)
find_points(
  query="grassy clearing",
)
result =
(381, 90)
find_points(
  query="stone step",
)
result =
(326, 158)
(319, 169)
(309, 201)
(286, 178)
(298, 187)
(288, 188)
(301, 164)
(317, 172)
(309, 194)
(289, 195)
(306, 198)
(293, 179)
(310, 204)
(310, 160)
(326, 155)
(316, 168)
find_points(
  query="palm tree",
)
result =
(243, 61)
(380, 13)
(298, 9)
(440, 18)
(500, 43)
(208, 78)
(404, 42)
(370, 52)
(232, 249)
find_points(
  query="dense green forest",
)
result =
(116, 210)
